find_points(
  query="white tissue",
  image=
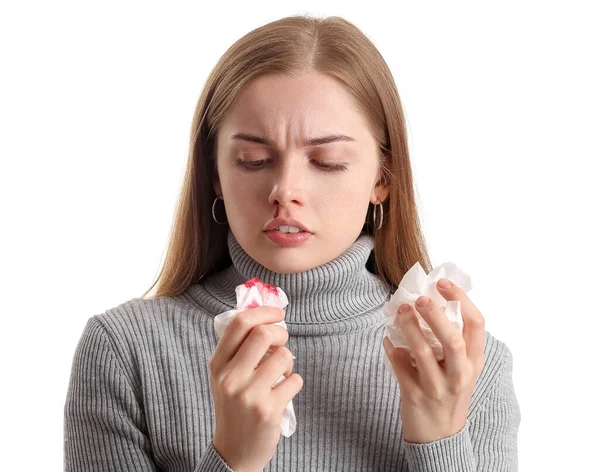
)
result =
(252, 294)
(417, 283)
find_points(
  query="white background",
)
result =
(502, 103)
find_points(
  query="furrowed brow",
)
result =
(332, 138)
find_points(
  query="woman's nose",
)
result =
(288, 185)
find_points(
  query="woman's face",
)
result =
(286, 177)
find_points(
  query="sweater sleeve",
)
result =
(487, 442)
(104, 420)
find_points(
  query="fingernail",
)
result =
(423, 301)
(444, 283)
(404, 308)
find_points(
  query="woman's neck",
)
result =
(340, 291)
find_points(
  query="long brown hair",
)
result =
(331, 46)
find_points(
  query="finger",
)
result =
(401, 364)
(285, 391)
(420, 347)
(279, 363)
(451, 339)
(239, 329)
(474, 322)
(254, 348)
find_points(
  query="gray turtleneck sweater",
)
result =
(139, 397)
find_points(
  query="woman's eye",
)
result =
(252, 163)
(330, 167)
(257, 164)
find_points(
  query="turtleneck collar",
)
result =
(340, 290)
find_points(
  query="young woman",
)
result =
(298, 174)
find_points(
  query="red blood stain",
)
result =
(260, 285)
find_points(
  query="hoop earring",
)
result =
(213, 212)
(380, 217)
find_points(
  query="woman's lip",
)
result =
(275, 229)
(279, 222)
(288, 239)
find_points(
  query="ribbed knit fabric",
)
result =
(139, 397)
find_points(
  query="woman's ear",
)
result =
(217, 187)
(215, 178)
(380, 192)
(216, 182)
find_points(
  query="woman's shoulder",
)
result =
(146, 321)
(146, 311)
(143, 335)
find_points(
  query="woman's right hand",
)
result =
(248, 410)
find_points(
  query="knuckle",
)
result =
(460, 385)
(261, 332)
(479, 321)
(240, 323)
(439, 394)
(228, 386)
(284, 355)
(212, 364)
(246, 401)
(423, 350)
(456, 345)
(261, 412)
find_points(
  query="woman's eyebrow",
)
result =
(307, 143)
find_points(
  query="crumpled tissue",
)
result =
(417, 283)
(252, 294)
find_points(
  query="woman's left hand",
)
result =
(435, 396)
